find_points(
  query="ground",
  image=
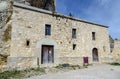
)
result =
(99, 71)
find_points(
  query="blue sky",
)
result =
(105, 12)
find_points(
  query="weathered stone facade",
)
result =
(116, 51)
(28, 23)
(5, 25)
(23, 38)
(5, 30)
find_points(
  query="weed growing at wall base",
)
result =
(115, 64)
(22, 74)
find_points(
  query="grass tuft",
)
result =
(22, 74)
(64, 66)
(115, 64)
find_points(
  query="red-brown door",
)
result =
(47, 54)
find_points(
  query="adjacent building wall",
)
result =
(116, 51)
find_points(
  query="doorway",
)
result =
(47, 55)
(95, 54)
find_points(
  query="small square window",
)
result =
(74, 46)
(47, 29)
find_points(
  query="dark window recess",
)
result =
(28, 43)
(93, 36)
(47, 29)
(73, 33)
(74, 46)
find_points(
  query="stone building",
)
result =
(44, 38)
(116, 51)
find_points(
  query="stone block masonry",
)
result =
(35, 37)
(5, 30)
(28, 23)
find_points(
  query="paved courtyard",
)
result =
(103, 71)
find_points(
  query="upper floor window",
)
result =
(93, 36)
(73, 33)
(47, 29)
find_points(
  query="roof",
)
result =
(52, 13)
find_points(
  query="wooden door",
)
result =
(95, 54)
(47, 54)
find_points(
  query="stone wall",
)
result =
(111, 44)
(29, 23)
(116, 51)
(22, 62)
(5, 30)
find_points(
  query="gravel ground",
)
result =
(103, 71)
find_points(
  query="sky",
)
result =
(105, 12)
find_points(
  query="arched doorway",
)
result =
(95, 54)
